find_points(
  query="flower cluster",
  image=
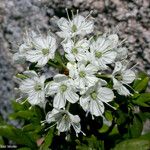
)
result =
(90, 61)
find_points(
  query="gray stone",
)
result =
(130, 19)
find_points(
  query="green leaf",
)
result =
(21, 76)
(18, 106)
(32, 127)
(121, 119)
(133, 144)
(24, 148)
(145, 136)
(92, 143)
(16, 135)
(25, 114)
(104, 128)
(59, 59)
(108, 115)
(141, 85)
(136, 128)
(48, 140)
(1, 141)
(143, 100)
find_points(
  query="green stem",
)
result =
(58, 58)
(53, 65)
(103, 76)
(68, 106)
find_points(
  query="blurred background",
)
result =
(129, 18)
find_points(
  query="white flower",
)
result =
(76, 51)
(63, 89)
(44, 49)
(121, 53)
(64, 120)
(79, 25)
(94, 98)
(83, 75)
(20, 56)
(33, 86)
(102, 51)
(122, 76)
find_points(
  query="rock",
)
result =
(130, 19)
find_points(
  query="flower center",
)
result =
(98, 54)
(118, 77)
(74, 28)
(74, 51)
(63, 88)
(37, 87)
(82, 74)
(94, 95)
(45, 51)
(66, 117)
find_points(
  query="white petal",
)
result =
(80, 83)
(105, 94)
(60, 78)
(87, 27)
(121, 53)
(72, 97)
(19, 58)
(51, 88)
(84, 102)
(52, 43)
(59, 101)
(30, 73)
(91, 69)
(70, 57)
(33, 55)
(63, 24)
(91, 80)
(42, 61)
(118, 67)
(35, 98)
(78, 20)
(82, 45)
(50, 117)
(74, 118)
(128, 76)
(109, 57)
(75, 122)
(96, 108)
(39, 43)
(63, 125)
(64, 34)
(114, 39)
(122, 90)
(27, 85)
(67, 45)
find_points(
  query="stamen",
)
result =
(72, 13)
(134, 65)
(89, 14)
(87, 113)
(122, 41)
(110, 105)
(92, 117)
(131, 88)
(51, 126)
(77, 12)
(68, 14)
